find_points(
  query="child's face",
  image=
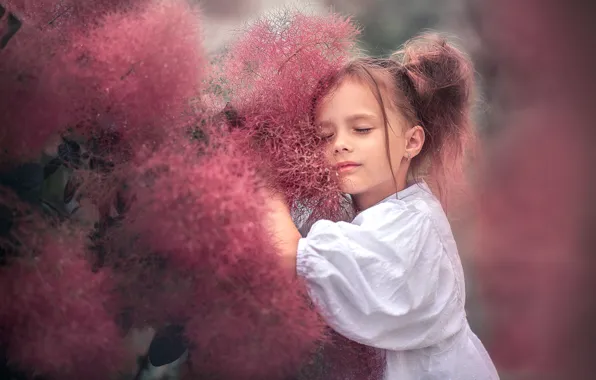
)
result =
(351, 119)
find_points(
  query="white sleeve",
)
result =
(386, 283)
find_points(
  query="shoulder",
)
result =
(397, 219)
(392, 227)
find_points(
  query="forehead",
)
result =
(351, 96)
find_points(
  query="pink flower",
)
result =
(130, 66)
(200, 218)
(274, 74)
(55, 314)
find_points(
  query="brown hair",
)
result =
(429, 80)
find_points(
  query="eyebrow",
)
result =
(352, 119)
(361, 116)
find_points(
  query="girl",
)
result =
(392, 278)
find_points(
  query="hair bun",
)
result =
(438, 70)
(441, 77)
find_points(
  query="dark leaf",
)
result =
(97, 249)
(70, 151)
(7, 243)
(122, 203)
(70, 190)
(6, 370)
(233, 117)
(167, 346)
(51, 167)
(52, 211)
(104, 142)
(6, 220)
(199, 135)
(6, 254)
(101, 165)
(26, 180)
(14, 24)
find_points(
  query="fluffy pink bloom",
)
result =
(33, 107)
(343, 359)
(273, 74)
(57, 14)
(218, 272)
(55, 316)
(127, 65)
(137, 72)
(30, 111)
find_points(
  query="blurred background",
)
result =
(386, 24)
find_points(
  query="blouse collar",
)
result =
(413, 188)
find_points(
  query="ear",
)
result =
(414, 138)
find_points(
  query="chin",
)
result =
(349, 188)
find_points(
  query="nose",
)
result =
(341, 144)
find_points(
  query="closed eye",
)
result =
(363, 130)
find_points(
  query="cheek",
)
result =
(329, 154)
(397, 148)
(376, 150)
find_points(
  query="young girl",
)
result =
(392, 278)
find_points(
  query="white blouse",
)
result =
(392, 279)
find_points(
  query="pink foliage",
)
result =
(112, 64)
(54, 312)
(342, 359)
(33, 107)
(30, 111)
(137, 72)
(274, 73)
(47, 15)
(245, 317)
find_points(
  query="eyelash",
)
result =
(363, 130)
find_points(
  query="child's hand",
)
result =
(279, 223)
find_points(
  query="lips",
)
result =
(346, 167)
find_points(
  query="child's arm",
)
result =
(386, 283)
(284, 231)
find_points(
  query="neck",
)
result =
(375, 195)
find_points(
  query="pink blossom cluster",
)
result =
(274, 74)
